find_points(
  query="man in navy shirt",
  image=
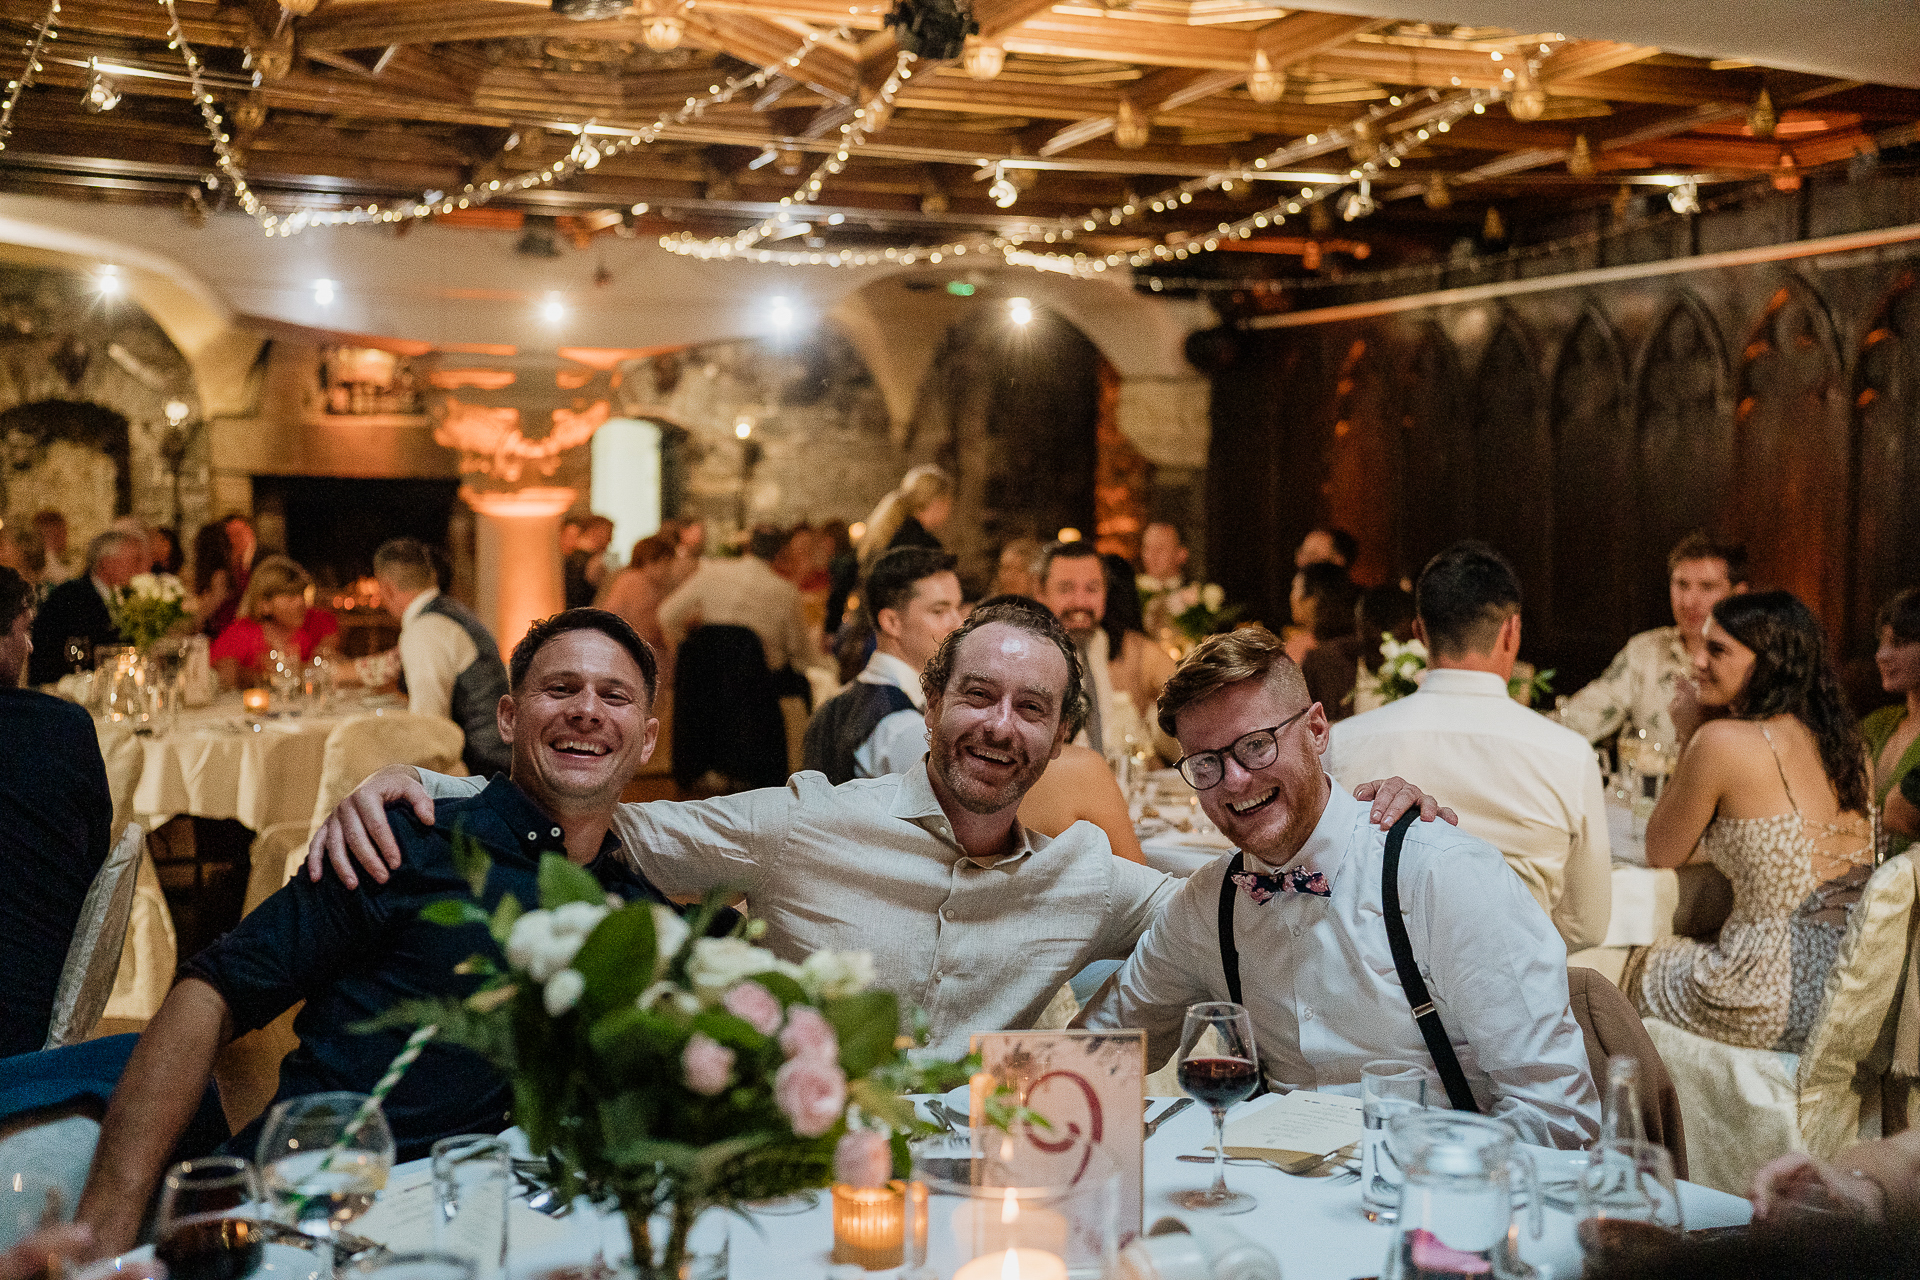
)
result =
(579, 720)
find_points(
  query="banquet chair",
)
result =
(1744, 1107)
(1610, 1026)
(93, 957)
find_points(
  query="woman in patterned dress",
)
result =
(1772, 787)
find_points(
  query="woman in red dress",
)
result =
(274, 616)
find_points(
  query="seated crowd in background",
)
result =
(273, 617)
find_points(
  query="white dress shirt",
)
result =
(1520, 782)
(1318, 977)
(899, 741)
(743, 592)
(434, 650)
(1635, 691)
(872, 865)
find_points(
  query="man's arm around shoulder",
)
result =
(1171, 968)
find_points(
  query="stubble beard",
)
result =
(943, 757)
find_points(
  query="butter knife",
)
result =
(1153, 1126)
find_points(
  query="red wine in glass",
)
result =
(212, 1247)
(1219, 1082)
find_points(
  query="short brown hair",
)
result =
(1698, 546)
(1250, 653)
(1025, 615)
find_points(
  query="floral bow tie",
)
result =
(1262, 888)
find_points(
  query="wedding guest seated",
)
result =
(1322, 601)
(1893, 733)
(1079, 787)
(878, 724)
(209, 583)
(1294, 927)
(1633, 693)
(746, 592)
(1773, 791)
(1332, 668)
(1522, 783)
(636, 591)
(1013, 573)
(1125, 668)
(22, 551)
(51, 525)
(274, 617)
(56, 822)
(578, 720)
(970, 916)
(79, 608)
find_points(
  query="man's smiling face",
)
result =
(1269, 811)
(579, 722)
(995, 726)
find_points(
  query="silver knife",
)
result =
(1153, 1126)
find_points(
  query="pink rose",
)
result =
(862, 1158)
(754, 1005)
(708, 1064)
(810, 1094)
(808, 1035)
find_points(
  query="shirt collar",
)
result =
(1326, 844)
(417, 604)
(884, 668)
(915, 802)
(107, 593)
(534, 833)
(1677, 648)
(1457, 681)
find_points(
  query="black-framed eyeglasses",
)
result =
(1256, 750)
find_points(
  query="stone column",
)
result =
(517, 572)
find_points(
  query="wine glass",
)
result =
(323, 1157)
(1220, 1070)
(1628, 1203)
(205, 1228)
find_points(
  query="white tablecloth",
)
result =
(1314, 1226)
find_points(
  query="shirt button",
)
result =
(1306, 1014)
(556, 832)
(533, 835)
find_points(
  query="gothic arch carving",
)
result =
(1683, 444)
(1512, 458)
(1886, 420)
(1437, 493)
(1592, 494)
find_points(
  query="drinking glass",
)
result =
(205, 1228)
(79, 653)
(1218, 1077)
(323, 1157)
(283, 675)
(1388, 1088)
(471, 1177)
(28, 1202)
(1627, 1203)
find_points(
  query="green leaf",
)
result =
(727, 1029)
(630, 1041)
(478, 964)
(453, 912)
(504, 915)
(617, 958)
(784, 989)
(882, 1104)
(866, 1025)
(561, 882)
(470, 860)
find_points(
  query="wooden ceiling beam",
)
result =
(760, 43)
(1580, 58)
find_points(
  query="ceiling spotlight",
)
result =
(780, 311)
(1685, 198)
(663, 32)
(107, 282)
(323, 292)
(554, 309)
(1130, 126)
(1528, 100)
(588, 10)
(1359, 203)
(1002, 192)
(742, 428)
(177, 411)
(102, 93)
(1020, 310)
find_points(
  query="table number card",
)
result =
(1090, 1085)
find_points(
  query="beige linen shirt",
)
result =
(872, 865)
(1320, 984)
(1520, 782)
(1634, 692)
(743, 593)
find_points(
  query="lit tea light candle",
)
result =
(1015, 1264)
(255, 700)
(869, 1225)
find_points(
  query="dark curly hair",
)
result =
(1029, 615)
(1792, 676)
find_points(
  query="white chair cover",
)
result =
(93, 957)
(150, 954)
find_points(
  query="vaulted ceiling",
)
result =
(1082, 106)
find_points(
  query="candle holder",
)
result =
(983, 1219)
(256, 701)
(869, 1225)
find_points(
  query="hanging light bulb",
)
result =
(1002, 192)
(102, 94)
(1265, 85)
(1685, 198)
(1580, 159)
(1129, 126)
(1438, 194)
(1762, 120)
(663, 32)
(1493, 228)
(1358, 204)
(983, 59)
(1528, 101)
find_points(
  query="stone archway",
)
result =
(65, 455)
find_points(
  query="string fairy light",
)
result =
(43, 31)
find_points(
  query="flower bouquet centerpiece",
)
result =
(1198, 610)
(663, 1072)
(1403, 667)
(147, 608)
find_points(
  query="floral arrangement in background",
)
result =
(1403, 667)
(667, 1072)
(1198, 610)
(148, 607)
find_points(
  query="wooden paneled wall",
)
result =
(1583, 432)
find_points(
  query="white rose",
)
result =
(563, 991)
(666, 992)
(578, 917)
(834, 975)
(1213, 596)
(142, 584)
(531, 932)
(670, 931)
(718, 963)
(555, 954)
(1417, 649)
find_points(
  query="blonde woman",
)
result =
(910, 516)
(273, 615)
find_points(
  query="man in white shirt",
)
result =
(877, 725)
(1163, 559)
(1308, 918)
(448, 659)
(970, 917)
(745, 592)
(1635, 693)
(1522, 783)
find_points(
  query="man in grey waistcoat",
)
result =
(449, 662)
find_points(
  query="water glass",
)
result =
(1388, 1088)
(471, 1179)
(1628, 1203)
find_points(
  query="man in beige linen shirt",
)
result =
(969, 916)
(1523, 784)
(745, 592)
